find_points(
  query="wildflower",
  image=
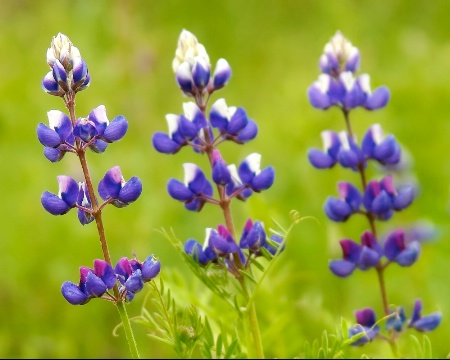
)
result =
(366, 320)
(396, 249)
(348, 203)
(132, 274)
(328, 157)
(382, 149)
(113, 186)
(232, 122)
(66, 198)
(381, 198)
(195, 189)
(424, 323)
(253, 236)
(251, 175)
(363, 257)
(93, 283)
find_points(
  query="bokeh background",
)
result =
(273, 48)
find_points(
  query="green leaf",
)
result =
(417, 347)
(219, 345)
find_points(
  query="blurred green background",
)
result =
(273, 48)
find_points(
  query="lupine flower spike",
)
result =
(375, 199)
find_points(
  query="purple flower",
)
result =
(220, 241)
(232, 122)
(385, 150)
(235, 186)
(366, 320)
(132, 274)
(349, 154)
(373, 100)
(381, 198)
(203, 255)
(58, 132)
(93, 283)
(97, 126)
(194, 190)
(320, 93)
(396, 249)
(221, 174)
(363, 257)
(424, 323)
(182, 129)
(328, 157)
(348, 203)
(251, 175)
(253, 236)
(66, 198)
(113, 186)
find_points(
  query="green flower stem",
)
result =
(128, 330)
(254, 327)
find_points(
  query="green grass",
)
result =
(273, 48)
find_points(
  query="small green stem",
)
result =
(128, 330)
(254, 327)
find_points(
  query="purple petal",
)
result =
(150, 268)
(201, 72)
(409, 255)
(428, 323)
(318, 99)
(54, 204)
(105, 271)
(381, 204)
(404, 198)
(73, 294)
(378, 99)
(131, 190)
(341, 268)
(394, 244)
(123, 268)
(221, 173)
(183, 77)
(238, 121)
(320, 160)
(337, 210)
(47, 137)
(164, 144)
(249, 132)
(50, 86)
(365, 317)
(188, 129)
(368, 258)
(94, 285)
(179, 191)
(134, 283)
(111, 184)
(116, 130)
(68, 189)
(264, 179)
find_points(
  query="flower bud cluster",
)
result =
(130, 274)
(69, 72)
(192, 68)
(204, 131)
(378, 199)
(367, 323)
(338, 86)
